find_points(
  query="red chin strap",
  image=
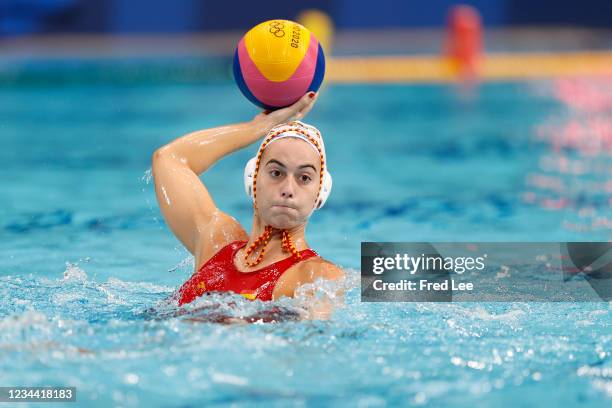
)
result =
(263, 240)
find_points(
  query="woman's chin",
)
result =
(282, 226)
(283, 222)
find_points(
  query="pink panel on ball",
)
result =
(279, 93)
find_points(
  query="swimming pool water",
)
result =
(85, 250)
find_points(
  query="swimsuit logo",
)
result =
(201, 288)
(249, 295)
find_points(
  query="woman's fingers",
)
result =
(293, 112)
(303, 106)
(304, 111)
(305, 101)
(302, 103)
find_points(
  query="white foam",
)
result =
(74, 274)
(223, 378)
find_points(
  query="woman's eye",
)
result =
(275, 173)
(305, 178)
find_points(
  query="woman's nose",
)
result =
(287, 188)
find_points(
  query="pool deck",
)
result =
(501, 66)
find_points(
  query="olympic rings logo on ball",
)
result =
(276, 28)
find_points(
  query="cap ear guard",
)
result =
(249, 173)
(325, 190)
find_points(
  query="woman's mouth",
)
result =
(283, 206)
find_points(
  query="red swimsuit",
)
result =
(220, 274)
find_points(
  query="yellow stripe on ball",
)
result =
(277, 47)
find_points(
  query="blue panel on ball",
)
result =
(319, 73)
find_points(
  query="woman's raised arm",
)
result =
(185, 203)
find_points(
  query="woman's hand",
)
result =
(294, 112)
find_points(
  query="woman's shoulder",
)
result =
(306, 271)
(318, 267)
(222, 232)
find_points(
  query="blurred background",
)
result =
(180, 16)
(496, 114)
(484, 121)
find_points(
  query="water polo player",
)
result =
(287, 180)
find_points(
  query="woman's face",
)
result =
(287, 183)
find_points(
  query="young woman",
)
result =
(287, 180)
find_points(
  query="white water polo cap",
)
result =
(302, 131)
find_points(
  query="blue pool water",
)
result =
(85, 251)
